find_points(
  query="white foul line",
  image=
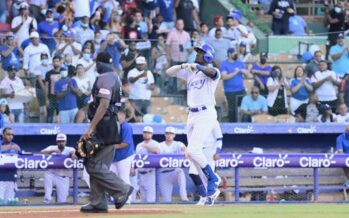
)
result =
(77, 210)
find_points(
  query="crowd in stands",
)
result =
(50, 52)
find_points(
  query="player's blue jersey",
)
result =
(127, 137)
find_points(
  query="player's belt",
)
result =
(144, 172)
(167, 171)
(197, 109)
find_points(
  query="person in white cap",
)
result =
(147, 175)
(32, 55)
(58, 177)
(20, 25)
(141, 81)
(168, 177)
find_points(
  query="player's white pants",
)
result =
(147, 185)
(134, 184)
(7, 190)
(62, 187)
(208, 152)
(199, 127)
(122, 168)
(169, 177)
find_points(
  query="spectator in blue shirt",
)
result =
(10, 52)
(340, 56)
(124, 152)
(114, 45)
(297, 25)
(66, 91)
(8, 177)
(252, 105)
(261, 72)
(232, 75)
(301, 88)
(47, 30)
(342, 146)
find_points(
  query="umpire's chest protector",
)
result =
(108, 86)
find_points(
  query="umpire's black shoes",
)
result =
(88, 208)
(121, 201)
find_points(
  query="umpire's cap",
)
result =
(104, 57)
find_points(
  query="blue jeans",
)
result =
(18, 114)
(68, 116)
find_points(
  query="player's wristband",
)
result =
(218, 150)
(199, 67)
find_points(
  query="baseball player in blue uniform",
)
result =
(342, 146)
(124, 152)
(8, 177)
(146, 176)
(212, 148)
(168, 177)
(202, 81)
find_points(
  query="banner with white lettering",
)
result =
(227, 160)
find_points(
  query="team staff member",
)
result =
(58, 177)
(342, 146)
(104, 128)
(8, 177)
(146, 176)
(124, 152)
(202, 82)
(170, 176)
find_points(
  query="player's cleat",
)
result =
(121, 201)
(212, 198)
(202, 201)
(212, 185)
(88, 208)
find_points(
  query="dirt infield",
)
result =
(73, 211)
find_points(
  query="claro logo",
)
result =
(247, 130)
(141, 161)
(233, 162)
(311, 129)
(174, 162)
(54, 131)
(271, 162)
(317, 162)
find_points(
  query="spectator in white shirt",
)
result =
(69, 46)
(141, 83)
(84, 32)
(32, 55)
(236, 32)
(343, 115)
(84, 85)
(325, 83)
(90, 66)
(20, 25)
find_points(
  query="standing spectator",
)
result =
(297, 25)
(47, 30)
(9, 86)
(89, 64)
(8, 178)
(236, 32)
(277, 96)
(32, 55)
(243, 54)
(37, 9)
(204, 32)
(83, 31)
(142, 25)
(170, 176)
(313, 66)
(69, 46)
(340, 56)
(50, 80)
(165, 8)
(252, 105)
(141, 81)
(58, 177)
(21, 24)
(343, 115)
(344, 90)
(325, 83)
(220, 45)
(11, 52)
(124, 152)
(128, 59)
(300, 88)
(190, 45)
(310, 111)
(68, 63)
(114, 45)
(147, 178)
(160, 60)
(218, 24)
(335, 19)
(232, 75)
(261, 72)
(66, 91)
(281, 10)
(175, 41)
(40, 73)
(84, 85)
(185, 11)
(327, 116)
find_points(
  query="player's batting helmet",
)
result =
(209, 52)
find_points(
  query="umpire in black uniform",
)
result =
(106, 92)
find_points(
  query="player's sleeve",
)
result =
(183, 74)
(105, 85)
(49, 148)
(339, 144)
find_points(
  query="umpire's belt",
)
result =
(167, 171)
(145, 172)
(197, 109)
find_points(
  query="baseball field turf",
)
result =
(190, 211)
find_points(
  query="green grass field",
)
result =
(190, 211)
